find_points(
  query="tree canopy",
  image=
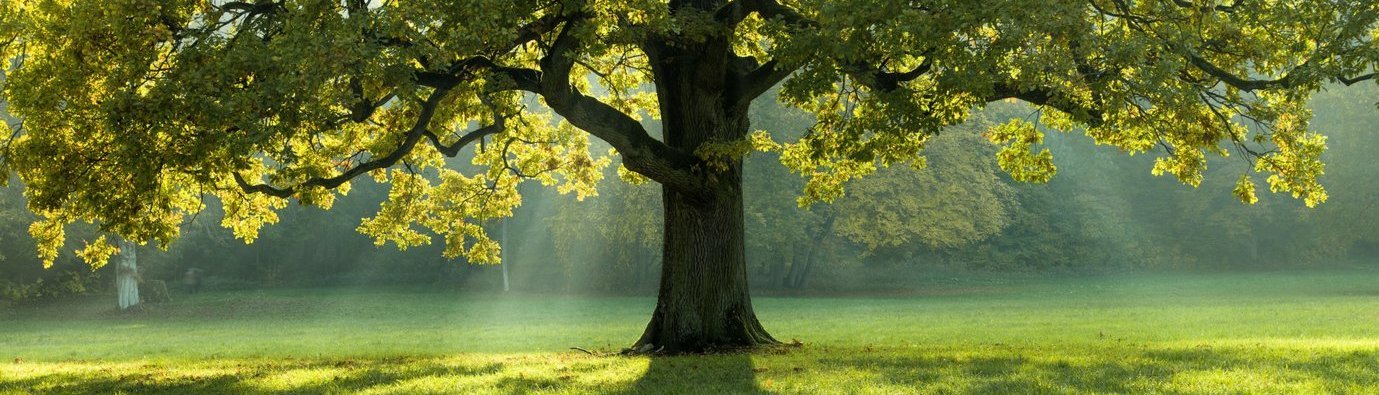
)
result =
(134, 110)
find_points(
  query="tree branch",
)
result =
(1241, 83)
(758, 81)
(641, 153)
(1046, 97)
(773, 9)
(885, 81)
(409, 142)
(753, 84)
(1357, 79)
(747, 86)
(1219, 8)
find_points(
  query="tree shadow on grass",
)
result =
(322, 376)
(1009, 374)
(967, 369)
(1120, 370)
(698, 374)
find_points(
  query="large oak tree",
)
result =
(134, 110)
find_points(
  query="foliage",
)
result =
(51, 286)
(1100, 213)
(614, 238)
(958, 199)
(134, 111)
(22, 276)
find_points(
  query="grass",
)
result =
(1275, 332)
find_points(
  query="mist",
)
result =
(1104, 253)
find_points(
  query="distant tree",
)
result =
(616, 235)
(960, 199)
(134, 109)
(503, 239)
(779, 230)
(1347, 222)
(127, 276)
(23, 278)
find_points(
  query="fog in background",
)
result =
(1104, 213)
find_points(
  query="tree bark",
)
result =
(703, 303)
(127, 276)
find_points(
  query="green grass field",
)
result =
(1278, 332)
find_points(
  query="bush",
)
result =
(50, 286)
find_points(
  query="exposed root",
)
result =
(644, 349)
(771, 346)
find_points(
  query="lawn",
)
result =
(1266, 332)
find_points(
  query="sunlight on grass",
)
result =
(295, 379)
(1067, 336)
(808, 370)
(1245, 380)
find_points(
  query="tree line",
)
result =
(960, 214)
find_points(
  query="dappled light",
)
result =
(994, 369)
(689, 196)
(1268, 332)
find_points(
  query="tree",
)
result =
(616, 235)
(960, 200)
(503, 239)
(133, 110)
(127, 276)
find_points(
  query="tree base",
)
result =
(740, 332)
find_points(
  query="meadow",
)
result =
(1264, 332)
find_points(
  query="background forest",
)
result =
(899, 228)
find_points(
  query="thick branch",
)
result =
(885, 81)
(1289, 80)
(525, 79)
(1047, 97)
(758, 81)
(454, 148)
(458, 71)
(1244, 84)
(641, 153)
(772, 9)
(262, 7)
(1219, 8)
(747, 86)
(1298, 75)
(731, 13)
(409, 142)
(1357, 79)
(753, 84)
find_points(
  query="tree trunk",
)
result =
(503, 257)
(804, 271)
(800, 278)
(787, 277)
(127, 276)
(703, 303)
